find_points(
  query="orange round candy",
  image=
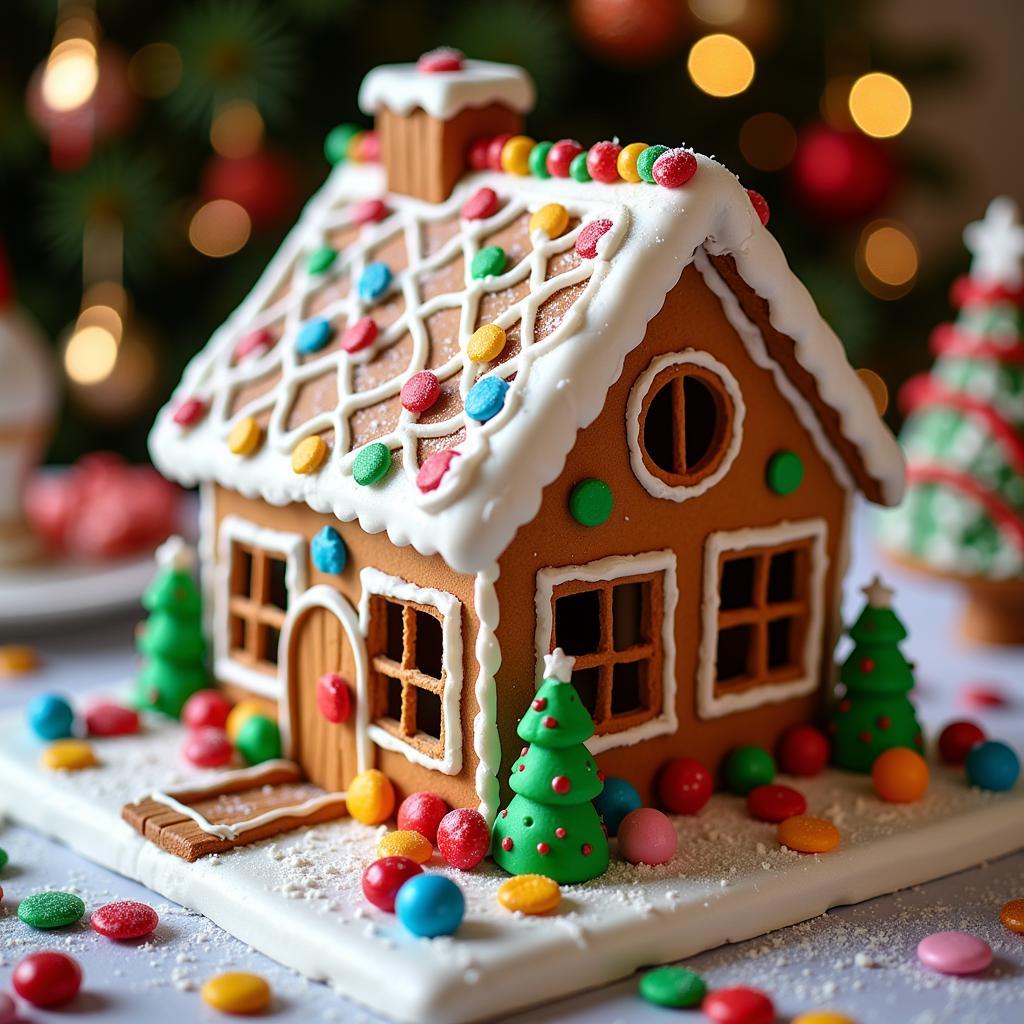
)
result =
(807, 834)
(1012, 915)
(900, 775)
(406, 843)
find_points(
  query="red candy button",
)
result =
(775, 803)
(206, 707)
(674, 168)
(803, 751)
(590, 234)
(362, 334)
(333, 697)
(369, 211)
(384, 877)
(463, 838)
(106, 719)
(603, 162)
(685, 785)
(189, 412)
(560, 155)
(434, 468)
(956, 740)
(422, 812)
(482, 203)
(257, 341)
(48, 978)
(739, 1005)
(477, 155)
(494, 148)
(125, 919)
(760, 205)
(444, 58)
(207, 747)
(981, 696)
(420, 391)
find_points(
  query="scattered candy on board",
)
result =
(422, 812)
(463, 838)
(47, 978)
(430, 905)
(105, 718)
(383, 878)
(992, 765)
(68, 755)
(207, 747)
(954, 953)
(124, 919)
(615, 801)
(51, 909)
(3, 858)
(17, 660)
(405, 843)
(739, 1005)
(900, 775)
(674, 987)
(258, 740)
(646, 836)
(529, 894)
(684, 785)
(823, 1017)
(807, 834)
(206, 707)
(1012, 915)
(50, 716)
(982, 695)
(237, 992)
(803, 751)
(747, 767)
(956, 740)
(775, 803)
(370, 797)
(241, 712)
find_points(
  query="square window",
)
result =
(736, 589)
(628, 613)
(735, 651)
(429, 645)
(586, 683)
(241, 571)
(780, 643)
(394, 630)
(391, 698)
(782, 577)
(428, 713)
(277, 583)
(578, 622)
(236, 633)
(628, 680)
(269, 638)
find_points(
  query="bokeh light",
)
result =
(155, 70)
(880, 105)
(887, 260)
(767, 141)
(90, 354)
(71, 74)
(219, 228)
(721, 65)
(718, 12)
(237, 129)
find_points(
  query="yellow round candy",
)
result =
(530, 894)
(807, 834)
(371, 797)
(626, 163)
(515, 155)
(237, 992)
(17, 659)
(309, 454)
(68, 755)
(406, 843)
(552, 219)
(823, 1017)
(245, 437)
(486, 343)
(242, 712)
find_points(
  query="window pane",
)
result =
(628, 687)
(782, 577)
(702, 421)
(391, 703)
(428, 713)
(236, 629)
(578, 622)
(585, 680)
(780, 643)
(737, 586)
(269, 639)
(277, 590)
(628, 615)
(660, 431)
(429, 644)
(735, 649)
(241, 571)
(394, 630)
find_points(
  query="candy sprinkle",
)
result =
(406, 843)
(372, 464)
(189, 412)
(369, 211)
(321, 259)
(486, 343)
(53, 909)
(602, 162)
(760, 205)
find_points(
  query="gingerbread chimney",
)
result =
(428, 113)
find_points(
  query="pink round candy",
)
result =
(482, 203)
(107, 719)
(206, 707)
(420, 391)
(368, 211)
(360, 335)
(463, 838)
(207, 747)
(646, 836)
(257, 341)
(674, 168)
(189, 412)
(8, 1010)
(590, 234)
(434, 467)
(124, 919)
(954, 953)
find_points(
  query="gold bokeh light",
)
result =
(219, 228)
(71, 74)
(90, 354)
(721, 65)
(880, 105)
(887, 260)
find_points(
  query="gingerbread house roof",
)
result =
(292, 356)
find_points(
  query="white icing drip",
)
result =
(486, 741)
(401, 88)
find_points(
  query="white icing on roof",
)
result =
(560, 384)
(442, 94)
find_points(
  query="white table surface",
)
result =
(856, 959)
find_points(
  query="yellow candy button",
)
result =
(242, 712)
(309, 454)
(552, 219)
(486, 343)
(406, 843)
(626, 163)
(823, 1017)
(17, 659)
(807, 834)
(371, 797)
(515, 155)
(68, 755)
(237, 992)
(245, 436)
(530, 894)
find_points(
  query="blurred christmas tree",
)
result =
(158, 152)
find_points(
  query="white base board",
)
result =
(297, 898)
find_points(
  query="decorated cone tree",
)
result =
(551, 827)
(171, 641)
(874, 713)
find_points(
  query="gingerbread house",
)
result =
(470, 415)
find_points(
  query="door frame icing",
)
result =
(323, 596)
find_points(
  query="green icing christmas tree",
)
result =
(551, 827)
(171, 642)
(875, 713)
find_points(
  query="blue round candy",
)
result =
(486, 398)
(50, 717)
(313, 335)
(329, 551)
(374, 281)
(992, 765)
(430, 905)
(615, 801)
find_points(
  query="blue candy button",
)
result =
(50, 717)
(430, 905)
(313, 335)
(374, 281)
(329, 551)
(486, 398)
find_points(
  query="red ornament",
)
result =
(333, 697)
(560, 833)
(125, 919)
(207, 747)
(844, 706)
(422, 812)
(444, 58)
(760, 205)
(463, 838)
(674, 168)
(369, 211)
(956, 740)
(107, 719)
(254, 343)
(602, 162)
(476, 156)
(560, 155)
(189, 412)
(543, 849)
(864, 737)
(507, 843)
(549, 722)
(482, 203)
(206, 708)
(775, 803)
(685, 785)
(589, 236)
(624, 32)
(494, 148)
(586, 849)
(362, 334)
(264, 184)
(433, 470)
(866, 665)
(738, 1005)
(420, 391)
(47, 978)
(383, 878)
(803, 751)
(883, 722)
(539, 704)
(561, 784)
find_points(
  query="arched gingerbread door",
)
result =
(326, 665)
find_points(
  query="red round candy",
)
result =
(956, 740)
(366, 148)
(444, 58)
(384, 877)
(982, 696)
(360, 335)
(775, 803)
(125, 919)
(206, 707)
(207, 747)
(189, 412)
(685, 785)
(760, 205)
(674, 168)
(107, 719)
(738, 1005)
(560, 155)
(803, 751)
(47, 978)
(482, 203)
(603, 162)
(434, 467)
(255, 341)
(561, 784)
(494, 148)
(333, 697)
(420, 391)
(590, 234)
(422, 812)
(463, 838)
(476, 157)
(369, 211)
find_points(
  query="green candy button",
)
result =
(673, 986)
(785, 472)
(336, 143)
(51, 909)
(488, 262)
(3, 857)
(372, 464)
(538, 160)
(578, 167)
(591, 501)
(320, 259)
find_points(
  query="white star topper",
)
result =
(997, 244)
(558, 665)
(175, 554)
(877, 593)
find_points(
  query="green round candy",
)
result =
(578, 167)
(645, 162)
(488, 262)
(591, 501)
(746, 768)
(320, 259)
(336, 143)
(51, 909)
(785, 472)
(673, 986)
(372, 464)
(258, 740)
(3, 858)
(538, 160)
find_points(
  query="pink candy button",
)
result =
(954, 953)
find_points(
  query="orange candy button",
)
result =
(1012, 915)
(900, 775)
(807, 834)
(529, 894)
(406, 843)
